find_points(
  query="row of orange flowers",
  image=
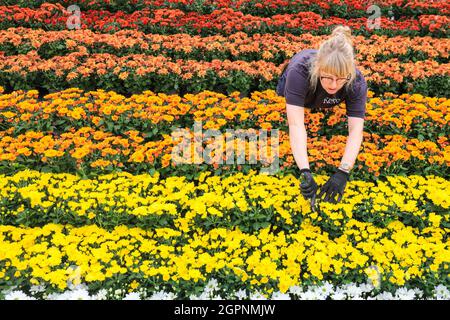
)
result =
(88, 148)
(410, 114)
(76, 66)
(239, 45)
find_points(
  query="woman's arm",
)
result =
(297, 134)
(354, 140)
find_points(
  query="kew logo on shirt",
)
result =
(331, 100)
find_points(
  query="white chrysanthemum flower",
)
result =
(353, 291)
(79, 294)
(405, 294)
(241, 294)
(142, 293)
(205, 295)
(385, 296)
(212, 285)
(441, 292)
(171, 296)
(308, 295)
(59, 296)
(319, 295)
(37, 289)
(418, 292)
(322, 292)
(366, 287)
(162, 295)
(338, 295)
(280, 296)
(18, 295)
(326, 289)
(101, 295)
(296, 290)
(132, 296)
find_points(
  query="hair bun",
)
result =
(343, 30)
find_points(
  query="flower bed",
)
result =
(94, 206)
(220, 21)
(252, 232)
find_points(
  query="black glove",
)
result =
(334, 186)
(308, 186)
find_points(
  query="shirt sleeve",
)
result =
(296, 86)
(356, 101)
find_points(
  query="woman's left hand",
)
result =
(335, 186)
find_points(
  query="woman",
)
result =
(318, 79)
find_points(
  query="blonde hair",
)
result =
(335, 56)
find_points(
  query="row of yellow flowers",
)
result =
(245, 200)
(272, 47)
(55, 255)
(23, 110)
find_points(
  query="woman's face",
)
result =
(332, 83)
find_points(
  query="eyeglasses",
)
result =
(329, 80)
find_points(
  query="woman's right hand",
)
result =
(308, 185)
(298, 138)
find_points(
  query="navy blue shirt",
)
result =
(294, 86)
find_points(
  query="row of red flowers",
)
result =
(237, 46)
(221, 21)
(344, 8)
